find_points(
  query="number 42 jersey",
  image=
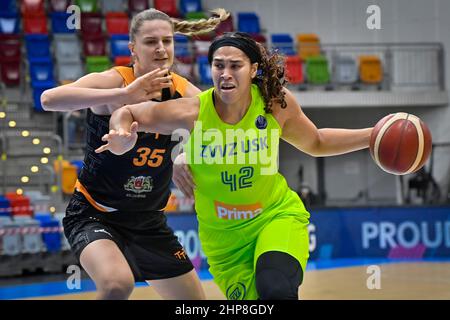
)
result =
(235, 167)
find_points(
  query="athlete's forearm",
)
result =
(69, 98)
(340, 141)
(121, 118)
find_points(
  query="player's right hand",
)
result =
(148, 86)
(121, 141)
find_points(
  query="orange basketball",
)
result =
(400, 143)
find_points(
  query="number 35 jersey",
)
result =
(235, 167)
(138, 180)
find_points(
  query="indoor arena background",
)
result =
(373, 235)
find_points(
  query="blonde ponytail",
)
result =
(202, 25)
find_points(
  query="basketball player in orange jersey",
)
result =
(115, 221)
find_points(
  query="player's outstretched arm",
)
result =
(105, 88)
(301, 132)
(164, 117)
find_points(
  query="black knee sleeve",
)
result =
(278, 276)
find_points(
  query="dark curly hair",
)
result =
(270, 77)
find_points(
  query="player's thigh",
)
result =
(104, 262)
(285, 234)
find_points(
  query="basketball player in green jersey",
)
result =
(252, 226)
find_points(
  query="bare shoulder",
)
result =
(291, 110)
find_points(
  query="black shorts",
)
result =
(147, 242)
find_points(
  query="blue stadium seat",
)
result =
(50, 231)
(41, 70)
(51, 235)
(284, 43)
(8, 6)
(59, 22)
(5, 208)
(248, 22)
(43, 216)
(187, 6)
(79, 164)
(38, 45)
(119, 45)
(9, 22)
(38, 88)
(181, 46)
(204, 70)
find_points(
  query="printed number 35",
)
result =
(153, 158)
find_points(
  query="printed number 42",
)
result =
(241, 181)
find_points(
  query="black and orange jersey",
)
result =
(138, 180)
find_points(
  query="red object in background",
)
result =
(225, 26)
(137, 5)
(117, 23)
(294, 69)
(20, 204)
(35, 24)
(167, 6)
(94, 45)
(59, 5)
(28, 7)
(9, 46)
(122, 61)
(10, 71)
(91, 23)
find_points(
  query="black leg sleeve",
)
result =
(278, 276)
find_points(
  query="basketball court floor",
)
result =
(334, 279)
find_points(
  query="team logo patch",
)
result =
(261, 122)
(139, 184)
(236, 291)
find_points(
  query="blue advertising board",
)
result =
(384, 232)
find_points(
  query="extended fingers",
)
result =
(105, 137)
(102, 148)
(157, 73)
(162, 82)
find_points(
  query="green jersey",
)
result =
(240, 193)
(235, 167)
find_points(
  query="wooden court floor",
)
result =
(408, 281)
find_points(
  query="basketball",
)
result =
(400, 143)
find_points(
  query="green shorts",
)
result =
(233, 258)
